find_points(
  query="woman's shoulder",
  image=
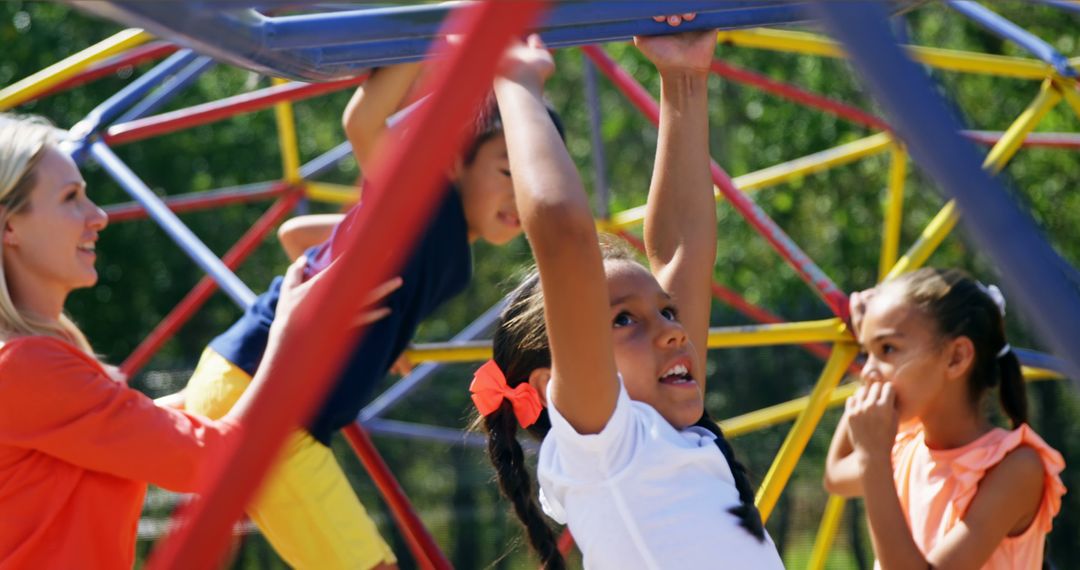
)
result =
(41, 356)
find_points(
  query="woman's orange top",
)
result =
(936, 486)
(77, 449)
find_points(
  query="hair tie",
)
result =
(995, 295)
(1004, 350)
(489, 389)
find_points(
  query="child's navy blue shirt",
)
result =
(439, 268)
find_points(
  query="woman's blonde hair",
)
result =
(23, 140)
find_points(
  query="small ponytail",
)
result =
(746, 511)
(1011, 392)
(515, 483)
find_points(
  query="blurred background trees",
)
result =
(835, 216)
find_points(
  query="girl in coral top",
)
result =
(77, 446)
(943, 487)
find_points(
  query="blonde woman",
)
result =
(77, 446)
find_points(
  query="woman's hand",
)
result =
(294, 290)
(873, 421)
(528, 62)
(690, 51)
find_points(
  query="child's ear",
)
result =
(539, 379)
(9, 235)
(960, 357)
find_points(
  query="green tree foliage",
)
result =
(835, 216)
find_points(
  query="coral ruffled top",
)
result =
(936, 486)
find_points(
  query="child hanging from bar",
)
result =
(307, 510)
(603, 359)
(943, 487)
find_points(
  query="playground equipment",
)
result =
(334, 44)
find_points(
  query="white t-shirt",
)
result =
(641, 494)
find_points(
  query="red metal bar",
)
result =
(1046, 140)
(206, 286)
(221, 109)
(132, 57)
(200, 200)
(422, 545)
(296, 385)
(799, 95)
(758, 219)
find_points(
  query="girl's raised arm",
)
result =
(559, 225)
(680, 215)
(379, 97)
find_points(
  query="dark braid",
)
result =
(749, 517)
(515, 483)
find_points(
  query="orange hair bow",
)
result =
(489, 389)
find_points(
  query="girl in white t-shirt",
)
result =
(604, 360)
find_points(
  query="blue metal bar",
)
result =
(592, 97)
(1040, 360)
(423, 21)
(169, 89)
(422, 432)
(403, 50)
(1002, 27)
(1032, 271)
(115, 105)
(243, 36)
(326, 161)
(421, 373)
(196, 249)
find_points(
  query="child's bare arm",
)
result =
(298, 234)
(680, 215)
(841, 466)
(379, 97)
(559, 225)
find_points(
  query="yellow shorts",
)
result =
(306, 508)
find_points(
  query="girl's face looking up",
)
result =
(652, 351)
(903, 347)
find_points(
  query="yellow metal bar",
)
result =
(828, 330)
(779, 173)
(784, 464)
(952, 60)
(29, 87)
(780, 413)
(472, 351)
(894, 211)
(830, 521)
(1067, 88)
(1011, 141)
(286, 129)
(332, 193)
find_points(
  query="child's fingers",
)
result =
(379, 293)
(534, 41)
(368, 317)
(872, 393)
(689, 16)
(294, 275)
(888, 395)
(659, 19)
(674, 20)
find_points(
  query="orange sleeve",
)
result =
(59, 401)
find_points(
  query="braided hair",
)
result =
(520, 346)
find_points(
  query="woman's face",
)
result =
(50, 244)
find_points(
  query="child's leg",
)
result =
(306, 508)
